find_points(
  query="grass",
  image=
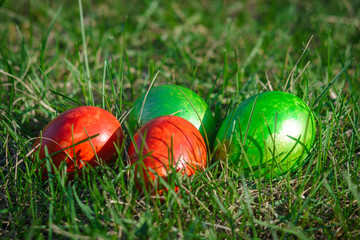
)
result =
(55, 56)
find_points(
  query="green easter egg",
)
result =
(174, 100)
(276, 130)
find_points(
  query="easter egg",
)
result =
(165, 144)
(80, 136)
(268, 134)
(174, 100)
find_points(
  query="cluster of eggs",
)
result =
(266, 135)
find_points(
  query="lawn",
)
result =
(56, 55)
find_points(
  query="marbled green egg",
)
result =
(276, 130)
(174, 100)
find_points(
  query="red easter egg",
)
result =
(80, 136)
(164, 142)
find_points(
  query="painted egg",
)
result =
(276, 130)
(80, 136)
(174, 100)
(164, 144)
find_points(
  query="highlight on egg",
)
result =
(78, 137)
(164, 144)
(268, 134)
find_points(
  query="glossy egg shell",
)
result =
(279, 134)
(166, 141)
(174, 100)
(76, 125)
